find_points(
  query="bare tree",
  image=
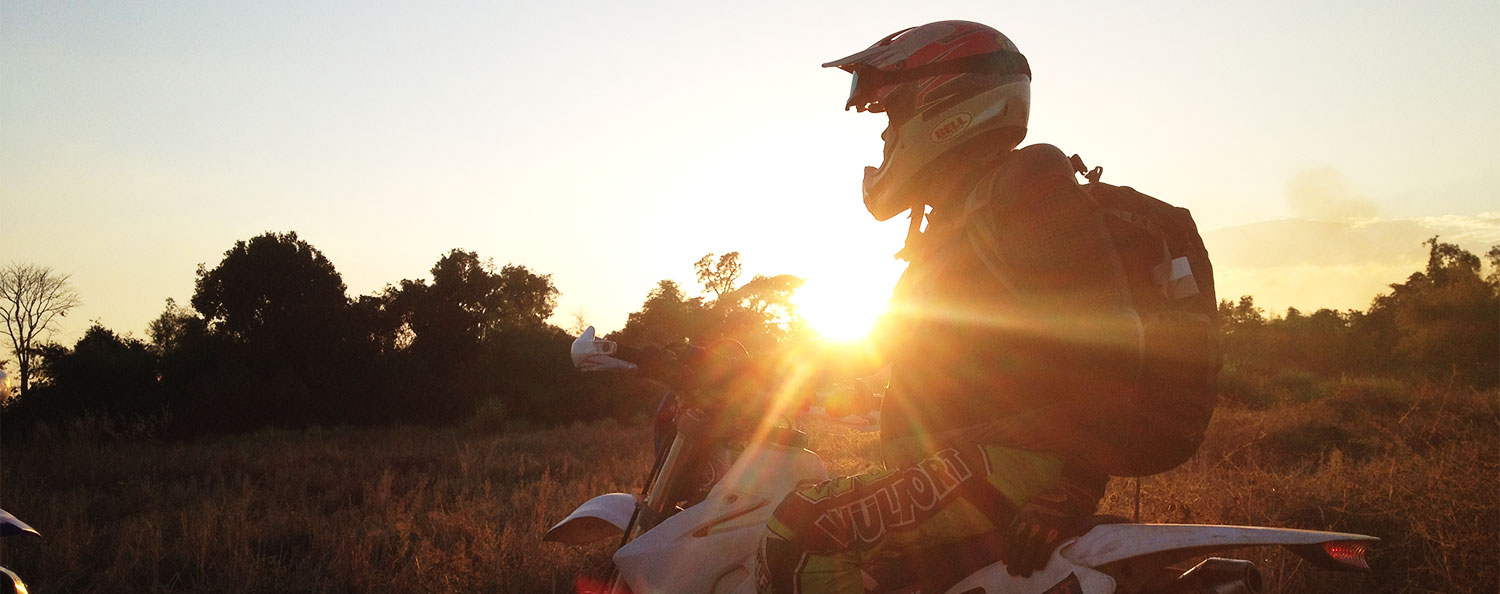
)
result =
(718, 278)
(31, 299)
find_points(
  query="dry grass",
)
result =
(369, 510)
(1417, 466)
(463, 510)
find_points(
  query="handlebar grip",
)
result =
(593, 354)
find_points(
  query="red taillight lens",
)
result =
(1347, 552)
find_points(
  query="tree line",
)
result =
(271, 338)
(1442, 323)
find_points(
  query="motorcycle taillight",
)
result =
(1341, 555)
(1348, 552)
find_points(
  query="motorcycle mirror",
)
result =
(593, 354)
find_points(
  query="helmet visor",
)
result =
(864, 90)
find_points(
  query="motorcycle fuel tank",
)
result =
(710, 547)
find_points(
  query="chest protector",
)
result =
(1152, 419)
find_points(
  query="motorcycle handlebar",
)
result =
(723, 372)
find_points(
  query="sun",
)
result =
(839, 312)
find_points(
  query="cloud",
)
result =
(1324, 194)
(1304, 242)
(1311, 264)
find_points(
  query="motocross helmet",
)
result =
(944, 86)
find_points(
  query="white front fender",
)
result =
(597, 519)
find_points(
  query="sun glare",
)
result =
(839, 313)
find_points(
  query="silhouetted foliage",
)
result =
(526, 299)
(1443, 322)
(718, 277)
(275, 292)
(467, 301)
(1448, 317)
(449, 317)
(290, 350)
(103, 375)
(758, 313)
(437, 331)
(1241, 317)
(176, 328)
(667, 316)
(1493, 257)
(104, 372)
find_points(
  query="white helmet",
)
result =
(944, 86)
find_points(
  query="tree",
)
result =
(467, 300)
(718, 278)
(1447, 315)
(286, 348)
(455, 310)
(1493, 257)
(463, 327)
(667, 316)
(174, 328)
(760, 313)
(275, 292)
(1242, 316)
(382, 321)
(32, 298)
(526, 299)
(103, 372)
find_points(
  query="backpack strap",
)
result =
(978, 225)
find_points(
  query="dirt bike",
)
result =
(696, 526)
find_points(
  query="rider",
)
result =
(983, 427)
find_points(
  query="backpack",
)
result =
(1157, 420)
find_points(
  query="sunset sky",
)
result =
(612, 144)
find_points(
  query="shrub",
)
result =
(1374, 395)
(1297, 386)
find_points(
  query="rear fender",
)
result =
(1137, 552)
(597, 519)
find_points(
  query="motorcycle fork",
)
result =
(660, 485)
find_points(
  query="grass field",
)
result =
(463, 509)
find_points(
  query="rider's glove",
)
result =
(1048, 518)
